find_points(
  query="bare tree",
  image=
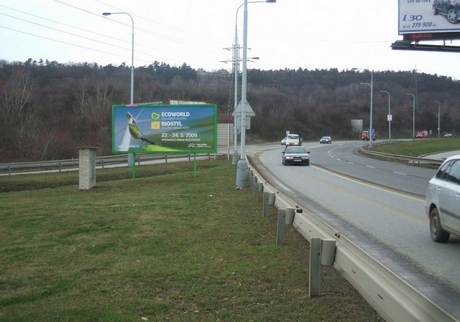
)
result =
(16, 94)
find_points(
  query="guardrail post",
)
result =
(290, 212)
(102, 163)
(328, 252)
(281, 227)
(267, 197)
(166, 158)
(315, 267)
(260, 188)
(254, 188)
(322, 252)
(8, 167)
(59, 166)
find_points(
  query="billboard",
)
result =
(164, 129)
(428, 16)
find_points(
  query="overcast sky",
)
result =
(288, 34)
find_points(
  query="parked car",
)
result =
(448, 8)
(442, 200)
(295, 155)
(325, 140)
(283, 141)
(293, 139)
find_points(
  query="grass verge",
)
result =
(419, 147)
(164, 247)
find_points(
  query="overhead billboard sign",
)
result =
(164, 129)
(428, 16)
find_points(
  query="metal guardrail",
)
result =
(389, 295)
(425, 162)
(73, 164)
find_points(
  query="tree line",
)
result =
(48, 109)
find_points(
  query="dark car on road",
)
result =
(448, 8)
(325, 140)
(295, 155)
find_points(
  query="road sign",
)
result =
(247, 108)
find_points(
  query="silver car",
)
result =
(443, 200)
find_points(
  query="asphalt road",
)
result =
(380, 206)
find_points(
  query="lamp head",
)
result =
(271, 1)
(106, 13)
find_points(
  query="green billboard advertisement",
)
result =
(164, 129)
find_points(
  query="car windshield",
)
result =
(295, 150)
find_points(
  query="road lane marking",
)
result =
(368, 184)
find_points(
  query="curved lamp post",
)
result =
(242, 175)
(371, 85)
(131, 101)
(236, 67)
(132, 50)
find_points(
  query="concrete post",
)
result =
(87, 168)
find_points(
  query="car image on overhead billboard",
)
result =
(428, 16)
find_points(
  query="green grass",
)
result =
(167, 246)
(419, 147)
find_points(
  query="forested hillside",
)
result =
(49, 109)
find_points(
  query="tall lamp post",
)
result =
(389, 117)
(131, 101)
(236, 68)
(132, 49)
(439, 118)
(371, 85)
(242, 175)
(413, 115)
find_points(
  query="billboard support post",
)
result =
(134, 165)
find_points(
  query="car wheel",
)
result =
(307, 163)
(451, 16)
(435, 10)
(438, 234)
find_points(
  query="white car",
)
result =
(293, 139)
(442, 202)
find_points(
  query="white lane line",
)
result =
(401, 173)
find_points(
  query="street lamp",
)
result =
(389, 116)
(413, 115)
(242, 175)
(132, 49)
(131, 101)
(371, 85)
(439, 118)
